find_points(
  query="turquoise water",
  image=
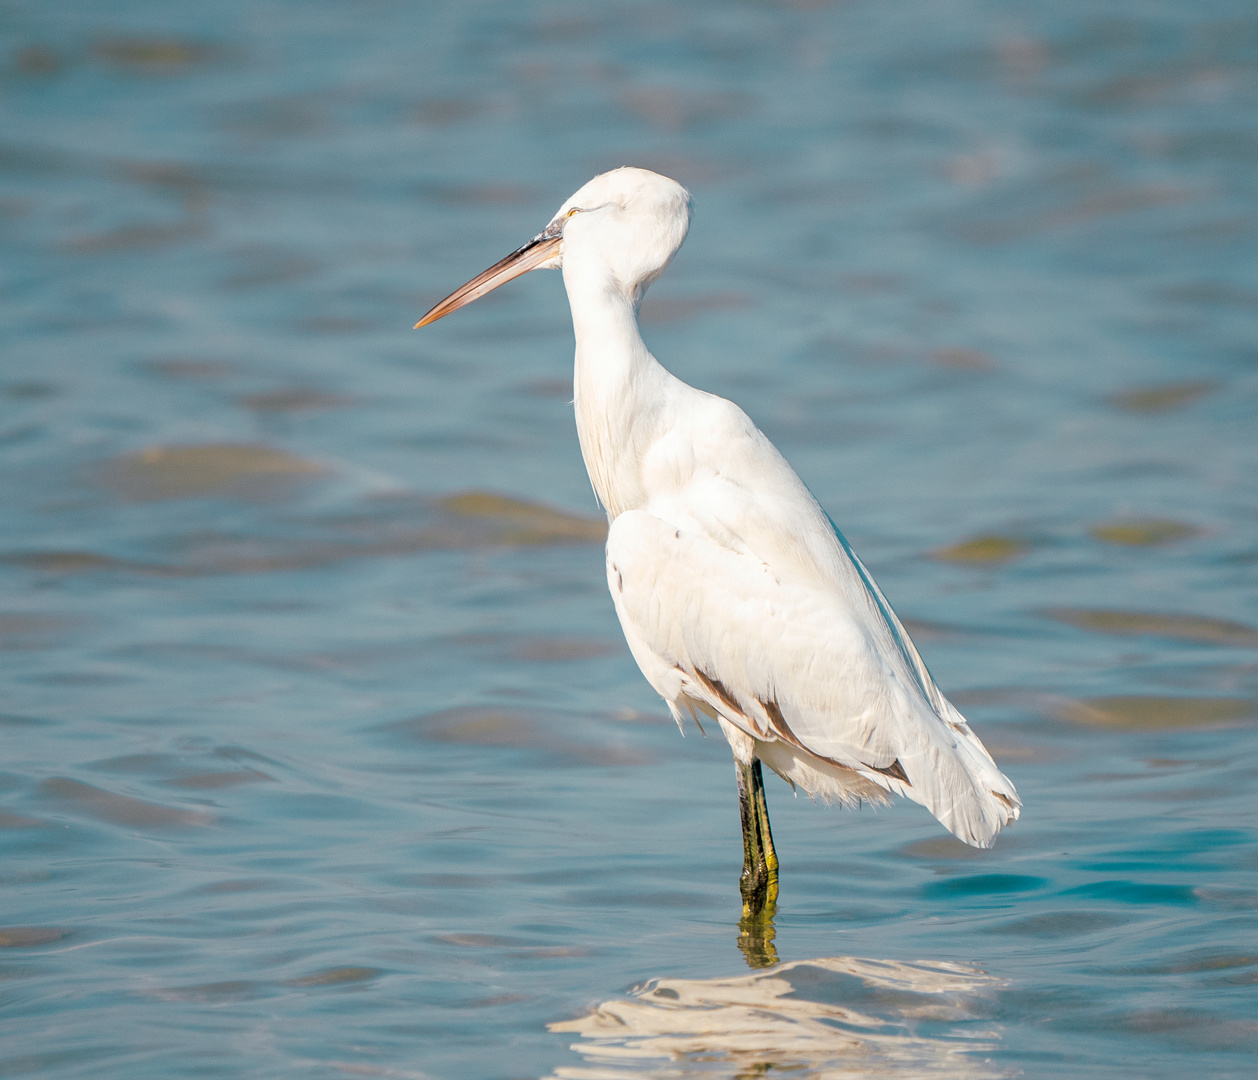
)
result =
(323, 754)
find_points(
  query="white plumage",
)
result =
(739, 598)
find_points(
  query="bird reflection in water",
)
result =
(839, 1017)
(755, 936)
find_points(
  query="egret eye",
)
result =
(574, 210)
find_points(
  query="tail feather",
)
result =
(962, 785)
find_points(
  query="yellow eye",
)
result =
(574, 210)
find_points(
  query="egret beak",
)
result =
(543, 247)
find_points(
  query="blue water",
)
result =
(320, 762)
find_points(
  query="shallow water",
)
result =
(322, 751)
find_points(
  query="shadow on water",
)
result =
(839, 1016)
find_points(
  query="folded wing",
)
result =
(824, 668)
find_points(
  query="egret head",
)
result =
(629, 221)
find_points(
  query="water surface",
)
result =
(323, 754)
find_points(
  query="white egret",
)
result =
(739, 598)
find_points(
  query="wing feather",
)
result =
(801, 658)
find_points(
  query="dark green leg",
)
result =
(759, 880)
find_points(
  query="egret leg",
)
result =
(759, 880)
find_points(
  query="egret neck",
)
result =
(619, 388)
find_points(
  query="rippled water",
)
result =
(323, 755)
